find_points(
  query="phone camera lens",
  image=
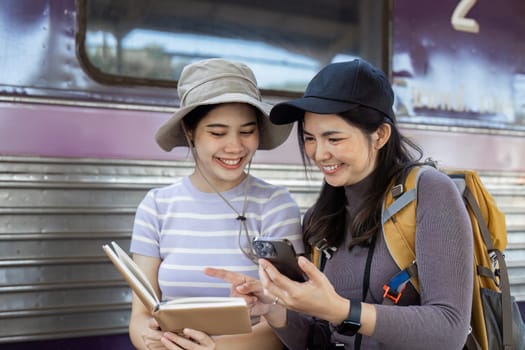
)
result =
(265, 249)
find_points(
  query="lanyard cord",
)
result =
(240, 216)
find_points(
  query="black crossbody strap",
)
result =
(366, 285)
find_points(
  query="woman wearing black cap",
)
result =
(346, 126)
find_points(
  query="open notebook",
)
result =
(212, 315)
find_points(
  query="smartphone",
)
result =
(281, 254)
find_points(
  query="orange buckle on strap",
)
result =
(392, 294)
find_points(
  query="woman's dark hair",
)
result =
(192, 119)
(325, 221)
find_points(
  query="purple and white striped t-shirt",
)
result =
(190, 230)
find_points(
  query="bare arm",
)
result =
(143, 329)
(262, 336)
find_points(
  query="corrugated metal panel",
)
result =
(509, 192)
(55, 214)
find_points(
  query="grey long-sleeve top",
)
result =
(439, 317)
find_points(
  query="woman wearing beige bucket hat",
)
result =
(210, 217)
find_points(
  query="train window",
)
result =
(284, 42)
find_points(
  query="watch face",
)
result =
(349, 328)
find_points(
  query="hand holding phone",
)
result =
(281, 253)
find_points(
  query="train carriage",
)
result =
(85, 84)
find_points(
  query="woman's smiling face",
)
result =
(342, 151)
(225, 141)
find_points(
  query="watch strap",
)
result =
(355, 311)
(351, 325)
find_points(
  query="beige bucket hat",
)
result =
(215, 81)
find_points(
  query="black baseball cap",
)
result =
(338, 88)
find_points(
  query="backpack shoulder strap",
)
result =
(399, 224)
(320, 252)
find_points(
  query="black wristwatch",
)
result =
(351, 325)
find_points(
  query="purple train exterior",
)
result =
(77, 151)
